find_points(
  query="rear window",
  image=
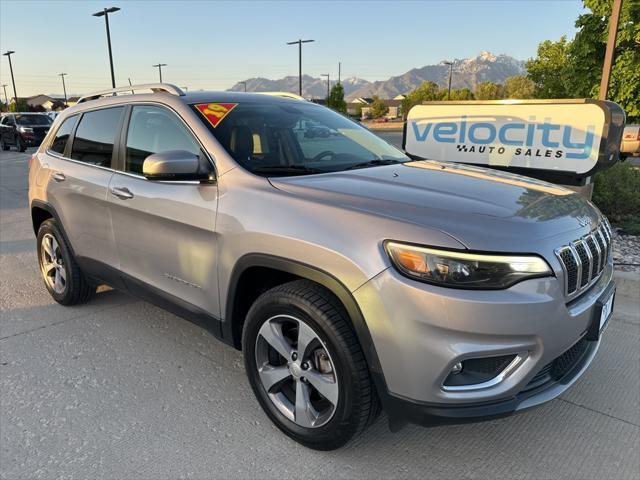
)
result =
(293, 137)
(95, 136)
(62, 135)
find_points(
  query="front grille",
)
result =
(565, 362)
(560, 366)
(584, 259)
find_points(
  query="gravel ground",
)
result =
(626, 251)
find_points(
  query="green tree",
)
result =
(566, 69)
(586, 55)
(518, 86)
(548, 69)
(336, 99)
(461, 94)
(428, 91)
(377, 108)
(21, 107)
(489, 91)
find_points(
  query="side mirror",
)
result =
(175, 165)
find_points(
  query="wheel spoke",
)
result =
(49, 268)
(272, 333)
(271, 375)
(325, 384)
(48, 248)
(63, 273)
(306, 336)
(57, 284)
(304, 411)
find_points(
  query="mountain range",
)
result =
(467, 72)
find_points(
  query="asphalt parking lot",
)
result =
(118, 388)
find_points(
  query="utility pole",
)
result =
(326, 75)
(64, 88)
(611, 45)
(105, 13)
(8, 54)
(300, 42)
(159, 67)
(450, 73)
(339, 67)
(245, 85)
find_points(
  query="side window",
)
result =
(153, 130)
(10, 121)
(62, 135)
(95, 136)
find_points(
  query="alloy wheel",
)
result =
(52, 264)
(297, 371)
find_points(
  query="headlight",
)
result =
(464, 270)
(25, 129)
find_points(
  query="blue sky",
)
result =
(212, 45)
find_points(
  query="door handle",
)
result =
(122, 193)
(59, 177)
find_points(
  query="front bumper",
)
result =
(420, 331)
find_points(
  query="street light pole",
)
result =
(326, 75)
(339, 68)
(300, 42)
(450, 73)
(159, 67)
(105, 13)
(8, 54)
(64, 88)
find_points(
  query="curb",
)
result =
(627, 283)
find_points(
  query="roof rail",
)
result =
(130, 89)
(282, 94)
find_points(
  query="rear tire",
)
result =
(60, 272)
(307, 317)
(3, 145)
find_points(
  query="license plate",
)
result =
(607, 307)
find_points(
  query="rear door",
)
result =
(164, 231)
(79, 161)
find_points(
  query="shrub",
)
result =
(616, 192)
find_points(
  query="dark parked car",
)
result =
(22, 130)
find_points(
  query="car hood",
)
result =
(482, 208)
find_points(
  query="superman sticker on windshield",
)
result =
(215, 112)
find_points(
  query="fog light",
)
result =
(456, 369)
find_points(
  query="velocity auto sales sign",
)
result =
(564, 136)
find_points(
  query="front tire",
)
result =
(20, 145)
(306, 367)
(60, 272)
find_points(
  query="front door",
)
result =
(164, 231)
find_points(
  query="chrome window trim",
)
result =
(57, 155)
(501, 377)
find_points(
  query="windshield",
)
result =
(33, 120)
(294, 138)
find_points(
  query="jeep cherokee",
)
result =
(352, 277)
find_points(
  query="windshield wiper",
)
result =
(374, 163)
(286, 169)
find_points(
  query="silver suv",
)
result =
(352, 277)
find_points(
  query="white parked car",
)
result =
(630, 141)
